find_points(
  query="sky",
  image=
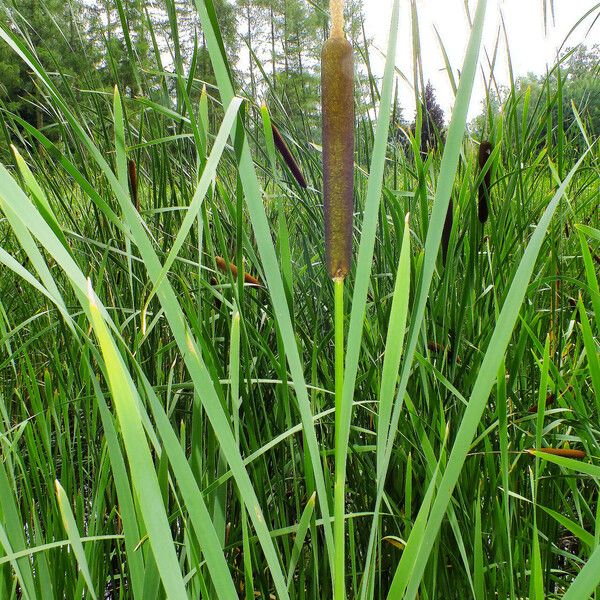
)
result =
(531, 48)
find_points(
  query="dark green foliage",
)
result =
(57, 413)
(58, 31)
(432, 120)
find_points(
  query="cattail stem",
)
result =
(339, 507)
(337, 89)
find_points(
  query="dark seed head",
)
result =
(225, 266)
(133, 182)
(549, 401)
(565, 452)
(337, 88)
(485, 149)
(447, 230)
(287, 156)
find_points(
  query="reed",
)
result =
(224, 397)
(337, 89)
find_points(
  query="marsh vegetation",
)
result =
(190, 407)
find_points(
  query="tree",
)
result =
(579, 75)
(432, 120)
(52, 30)
(582, 87)
(228, 23)
(398, 125)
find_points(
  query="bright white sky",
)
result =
(530, 48)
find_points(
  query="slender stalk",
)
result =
(339, 508)
(337, 88)
(337, 18)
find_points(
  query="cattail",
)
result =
(441, 349)
(394, 541)
(549, 401)
(447, 230)
(225, 267)
(287, 156)
(565, 452)
(337, 89)
(214, 282)
(485, 149)
(133, 182)
(435, 347)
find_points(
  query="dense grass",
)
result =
(168, 427)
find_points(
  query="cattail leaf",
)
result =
(576, 529)
(70, 525)
(303, 525)
(394, 541)
(568, 462)
(586, 582)
(39, 197)
(143, 476)
(393, 346)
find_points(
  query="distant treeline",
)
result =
(89, 45)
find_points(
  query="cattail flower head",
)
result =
(549, 400)
(287, 156)
(485, 149)
(225, 267)
(337, 89)
(133, 182)
(448, 221)
(565, 452)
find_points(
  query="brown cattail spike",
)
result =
(224, 266)
(214, 282)
(289, 160)
(549, 401)
(447, 230)
(565, 452)
(485, 149)
(435, 347)
(337, 88)
(133, 182)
